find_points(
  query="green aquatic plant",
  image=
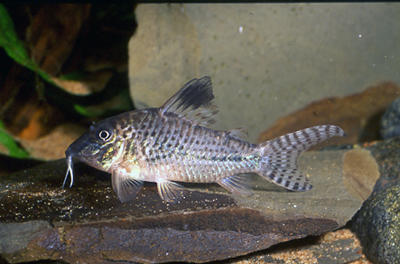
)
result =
(72, 76)
(14, 47)
(87, 111)
(7, 141)
(93, 105)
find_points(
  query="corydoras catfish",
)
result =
(173, 144)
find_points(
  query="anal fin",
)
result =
(125, 186)
(237, 184)
(169, 191)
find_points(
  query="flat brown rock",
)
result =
(39, 220)
(336, 247)
(357, 114)
(360, 179)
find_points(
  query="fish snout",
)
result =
(69, 152)
(77, 147)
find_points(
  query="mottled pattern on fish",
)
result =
(172, 143)
(175, 149)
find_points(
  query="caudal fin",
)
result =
(279, 156)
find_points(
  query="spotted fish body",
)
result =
(173, 144)
(173, 148)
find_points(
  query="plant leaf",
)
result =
(7, 141)
(14, 47)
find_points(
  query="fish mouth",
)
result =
(70, 171)
(74, 150)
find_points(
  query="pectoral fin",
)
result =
(125, 186)
(169, 191)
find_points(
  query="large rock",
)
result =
(390, 122)
(265, 60)
(387, 154)
(377, 224)
(39, 220)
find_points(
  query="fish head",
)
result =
(99, 147)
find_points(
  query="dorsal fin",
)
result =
(193, 102)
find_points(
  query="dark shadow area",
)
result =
(9, 165)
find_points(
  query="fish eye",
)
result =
(104, 135)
